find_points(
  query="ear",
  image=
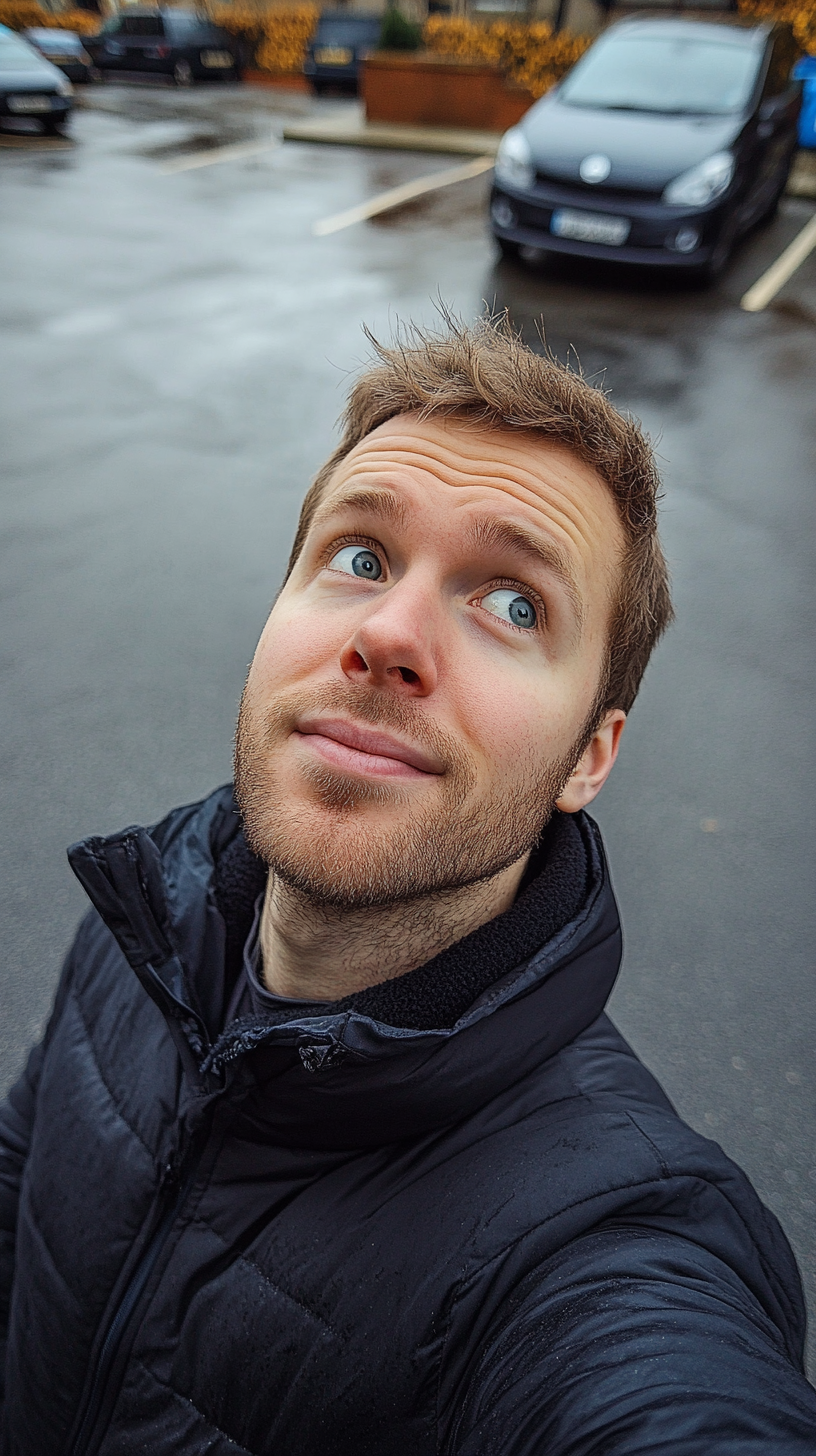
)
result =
(595, 764)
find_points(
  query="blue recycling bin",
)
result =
(805, 71)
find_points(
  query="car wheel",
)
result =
(318, 87)
(507, 248)
(718, 262)
(769, 213)
(52, 127)
(183, 73)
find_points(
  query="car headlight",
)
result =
(701, 184)
(64, 87)
(514, 159)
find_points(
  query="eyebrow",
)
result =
(494, 534)
(376, 501)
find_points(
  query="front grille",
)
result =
(596, 189)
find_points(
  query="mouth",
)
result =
(355, 748)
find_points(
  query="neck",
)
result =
(317, 953)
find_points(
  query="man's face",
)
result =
(422, 687)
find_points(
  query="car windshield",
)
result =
(186, 25)
(16, 55)
(347, 33)
(665, 74)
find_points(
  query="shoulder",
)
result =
(595, 1144)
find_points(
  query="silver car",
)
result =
(30, 87)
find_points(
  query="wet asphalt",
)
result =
(176, 350)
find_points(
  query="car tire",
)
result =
(721, 256)
(771, 210)
(53, 127)
(507, 248)
(183, 73)
(318, 87)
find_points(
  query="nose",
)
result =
(392, 648)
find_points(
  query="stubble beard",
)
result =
(333, 843)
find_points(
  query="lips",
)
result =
(356, 748)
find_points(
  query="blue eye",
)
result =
(357, 561)
(510, 607)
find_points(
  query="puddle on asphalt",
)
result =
(791, 308)
(197, 141)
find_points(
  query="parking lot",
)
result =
(177, 345)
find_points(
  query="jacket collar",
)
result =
(342, 1079)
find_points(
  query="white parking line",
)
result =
(397, 195)
(760, 293)
(218, 154)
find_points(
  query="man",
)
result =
(329, 1147)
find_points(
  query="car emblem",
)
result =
(595, 168)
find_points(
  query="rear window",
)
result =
(142, 25)
(56, 40)
(348, 32)
(188, 27)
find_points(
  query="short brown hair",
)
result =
(486, 374)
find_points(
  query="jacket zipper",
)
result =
(101, 1377)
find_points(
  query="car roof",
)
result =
(752, 36)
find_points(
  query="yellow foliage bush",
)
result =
(278, 38)
(800, 15)
(530, 55)
(25, 14)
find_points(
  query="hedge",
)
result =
(277, 38)
(530, 55)
(800, 15)
(27, 14)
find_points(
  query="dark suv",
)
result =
(178, 43)
(339, 44)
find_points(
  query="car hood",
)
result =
(39, 75)
(646, 151)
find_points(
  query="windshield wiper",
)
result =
(653, 110)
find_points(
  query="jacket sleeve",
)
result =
(632, 1342)
(16, 1125)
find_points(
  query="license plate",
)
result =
(334, 56)
(216, 58)
(29, 103)
(590, 227)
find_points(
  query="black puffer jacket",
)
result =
(324, 1235)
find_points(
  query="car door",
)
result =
(774, 128)
(107, 49)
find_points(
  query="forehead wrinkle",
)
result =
(504, 449)
(566, 513)
(524, 484)
(491, 533)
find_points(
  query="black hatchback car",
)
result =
(179, 43)
(666, 141)
(339, 44)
